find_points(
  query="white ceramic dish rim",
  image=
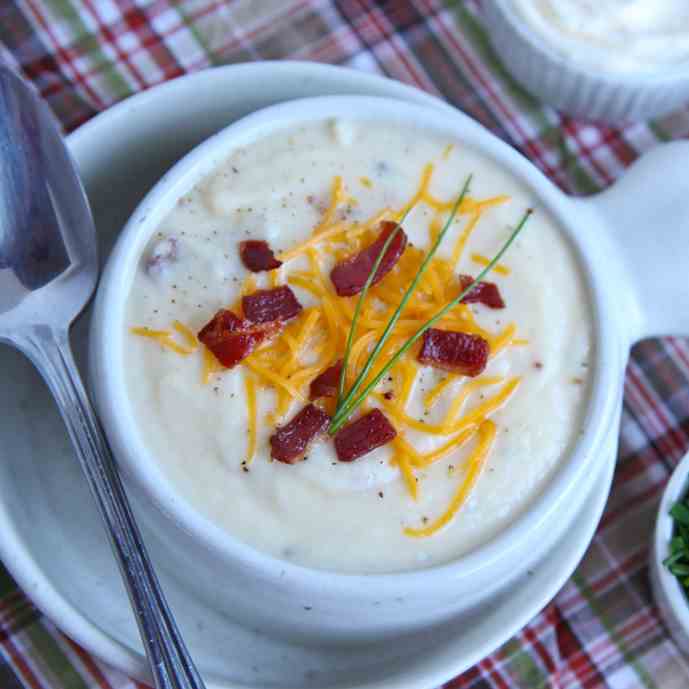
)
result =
(679, 72)
(19, 558)
(116, 411)
(73, 622)
(677, 599)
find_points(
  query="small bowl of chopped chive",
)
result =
(670, 556)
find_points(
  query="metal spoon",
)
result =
(48, 271)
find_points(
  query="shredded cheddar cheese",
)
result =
(432, 396)
(475, 463)
(401, 459)
(503, 339)
(463, 238)
(210, 366)
(273, 377)
(482, 260)
(285, 366)
(187, 334)
(452, 444)
(466, 390)
(250, 387)
(164, 339)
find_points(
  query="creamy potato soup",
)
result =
(469, 452)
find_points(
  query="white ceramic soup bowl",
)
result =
(633, 257)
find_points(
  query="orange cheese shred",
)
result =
(250, 388)
(273, 377)
(502, 340)
(475, 464)
(164, 339)
(482, 260)
(452, 444)
(210, 366)
(432, 395)
(469, 387)
(187, 334)
(402, 461)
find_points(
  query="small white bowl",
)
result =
(573, 87)
(298, 602)
(672, 601)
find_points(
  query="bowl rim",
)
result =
(635, 80)
(111, 393)
(676, 488)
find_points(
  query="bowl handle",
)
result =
(644, 219)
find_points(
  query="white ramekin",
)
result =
(579, 90)
(672, 601)
(280, 597)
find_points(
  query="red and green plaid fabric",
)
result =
(602, 630)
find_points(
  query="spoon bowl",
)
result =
(48, 260)
(48, 271)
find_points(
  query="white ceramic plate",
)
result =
(50, 535)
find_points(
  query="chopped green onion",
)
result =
(680, 513)
(677, 561)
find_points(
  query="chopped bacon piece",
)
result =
(232, 338)
(268, 305)
(288, 444)
(349, 276)
(486, 293)
(326, 384)
(163, 254)
(454, 351)
(363, 435)
(257, 256)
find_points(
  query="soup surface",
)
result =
(471, 453)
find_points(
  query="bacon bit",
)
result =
(232, 338)
(257, 256)
(363, 435)
(288, 444)
(388, 395)
(162, 254)
(326, 384)
(486, 293)
(454, 351)
(268, 305)
(349, 276)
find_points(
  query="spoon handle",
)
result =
(171, 664)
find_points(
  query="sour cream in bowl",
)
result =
(483, 439)
(611, 60)
(616, 36)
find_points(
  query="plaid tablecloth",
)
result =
(602, 630)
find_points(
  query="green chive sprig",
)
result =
(342, 403)
(360, 301)
(350, 403)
